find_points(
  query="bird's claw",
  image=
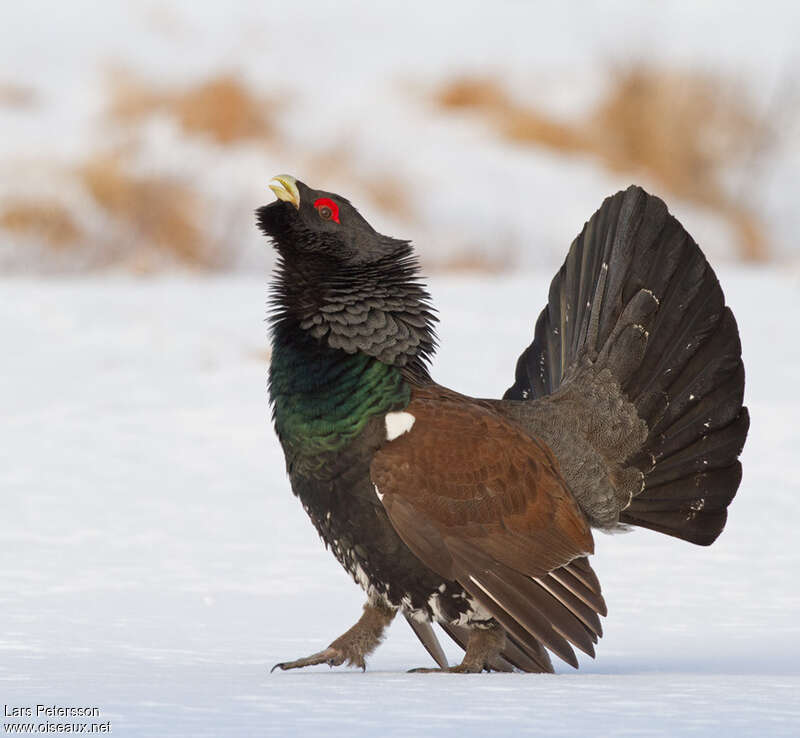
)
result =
(462, 668)
(330, 656)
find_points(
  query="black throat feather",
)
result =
(380, 308)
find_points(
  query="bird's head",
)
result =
(342, 283)
(316, 226)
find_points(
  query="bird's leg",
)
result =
(351, 647)
(484, 644)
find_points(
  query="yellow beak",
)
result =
(285, 188)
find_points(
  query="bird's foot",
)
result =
(354, 645)
(330, 656)
(462, 668)
(483, 645)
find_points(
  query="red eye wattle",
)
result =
(327, 209)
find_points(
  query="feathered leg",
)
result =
(353, 646)
(483, 648)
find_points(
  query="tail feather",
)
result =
(677, 337)
(690, 378)
(717, 488)
(714, 451)
(717, 409)
(636, 332)
(694, 506)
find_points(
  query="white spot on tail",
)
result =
(377, 492)
(397, 424)
(650, 292)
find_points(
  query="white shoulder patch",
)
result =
(397, 424)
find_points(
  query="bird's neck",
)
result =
(381, 310)
(322, 397)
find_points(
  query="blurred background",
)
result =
(140, 136)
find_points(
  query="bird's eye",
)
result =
(327, 209)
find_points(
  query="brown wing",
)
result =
(481, 502)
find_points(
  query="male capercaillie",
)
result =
(476, 513)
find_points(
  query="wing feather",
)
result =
(482, 503)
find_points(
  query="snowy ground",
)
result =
(154, 564)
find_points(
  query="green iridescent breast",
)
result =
(323, 397)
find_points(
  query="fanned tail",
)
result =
(636, 368)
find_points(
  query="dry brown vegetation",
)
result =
(388, 194)
(16, 96)
(221, 108)
(159, 213)
(46, 220)
(471, 262)
(512, 120)
(149, 219)
(385, 190)
(678, 129)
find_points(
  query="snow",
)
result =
(155, 563)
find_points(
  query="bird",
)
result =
(626, 410)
